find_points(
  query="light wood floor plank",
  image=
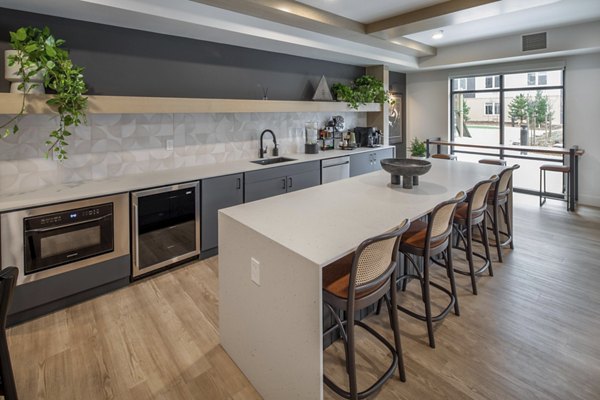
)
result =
(531, 333)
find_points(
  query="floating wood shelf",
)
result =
(36, 104)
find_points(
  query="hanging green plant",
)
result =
(38, 51)
(363, 90)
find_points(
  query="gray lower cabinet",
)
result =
(217, 193)
(363, 163)
(278, 180)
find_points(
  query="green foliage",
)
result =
(525, 109)
(518, 109)
(417, 148)
(465, 111)
(38, 50)
(363, 90)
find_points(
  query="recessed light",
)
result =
(438, 35)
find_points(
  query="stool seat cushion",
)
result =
(555, 168)
(461, 211)
(460, 216)
(492, 161)
(336, 279)
(415, 236)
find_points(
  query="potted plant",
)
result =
(417, 149)
(363, 90)
(37, 51)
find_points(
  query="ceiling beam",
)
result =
(299, 15)
(449, 7)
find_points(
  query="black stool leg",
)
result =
(508, 226)
(405, 269)
(486, 243)
(396, 329)
(496, 226)
(469, 251)
(427, 301)
(450, 269)
(541, 202)
(351, 359)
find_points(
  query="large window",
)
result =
(518, 109)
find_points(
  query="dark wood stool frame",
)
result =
(362, 296)
(477, 204)
(8, 280)
(499, 205)
(442, 246)
(563, 169)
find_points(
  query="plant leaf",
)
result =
(31, 47)
(50, 51)
(21, 34)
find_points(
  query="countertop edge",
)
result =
(127, 183)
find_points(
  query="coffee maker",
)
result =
(368, 136)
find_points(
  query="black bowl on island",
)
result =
(408, 168)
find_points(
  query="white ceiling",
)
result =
(335, 30)
(367, 11)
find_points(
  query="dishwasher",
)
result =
(166, 226)
(335, 169)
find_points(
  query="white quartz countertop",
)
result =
(326, 222)
(127, 183)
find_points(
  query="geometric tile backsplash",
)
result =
(120, 144)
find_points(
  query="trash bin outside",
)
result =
(524, 137)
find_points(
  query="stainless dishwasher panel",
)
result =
(165, 226)
(335, 169)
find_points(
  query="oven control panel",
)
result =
(68, 217)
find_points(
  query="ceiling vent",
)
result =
(536, 41)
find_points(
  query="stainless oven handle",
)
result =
(42, 230)
(136, 251)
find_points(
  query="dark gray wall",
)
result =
(120, 61)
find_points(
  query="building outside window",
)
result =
(492, 108)
(492, 82)
(514, 109)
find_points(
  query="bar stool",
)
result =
(444, 156)
(498, 201)
(468, 215)
(358, 281)
(8, 280)
(565, 169)
(493, 161)
(428, 239)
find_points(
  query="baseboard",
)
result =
(36, 312)
(589, 200)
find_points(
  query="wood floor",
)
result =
(531, 333)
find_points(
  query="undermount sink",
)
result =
(269, 161)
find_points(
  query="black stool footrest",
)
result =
(435, 318)
(375, 387)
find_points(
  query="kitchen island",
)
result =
(271, 255)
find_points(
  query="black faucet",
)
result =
(263, 150)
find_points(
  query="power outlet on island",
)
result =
(169, 145)
(255, 271)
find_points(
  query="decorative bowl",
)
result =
(410, 170)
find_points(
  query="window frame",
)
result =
(502, 91)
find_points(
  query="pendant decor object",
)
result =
(11, 73)
(323, 93)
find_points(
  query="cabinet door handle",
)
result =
(283, 181)
(290, 182)
(239, 183)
